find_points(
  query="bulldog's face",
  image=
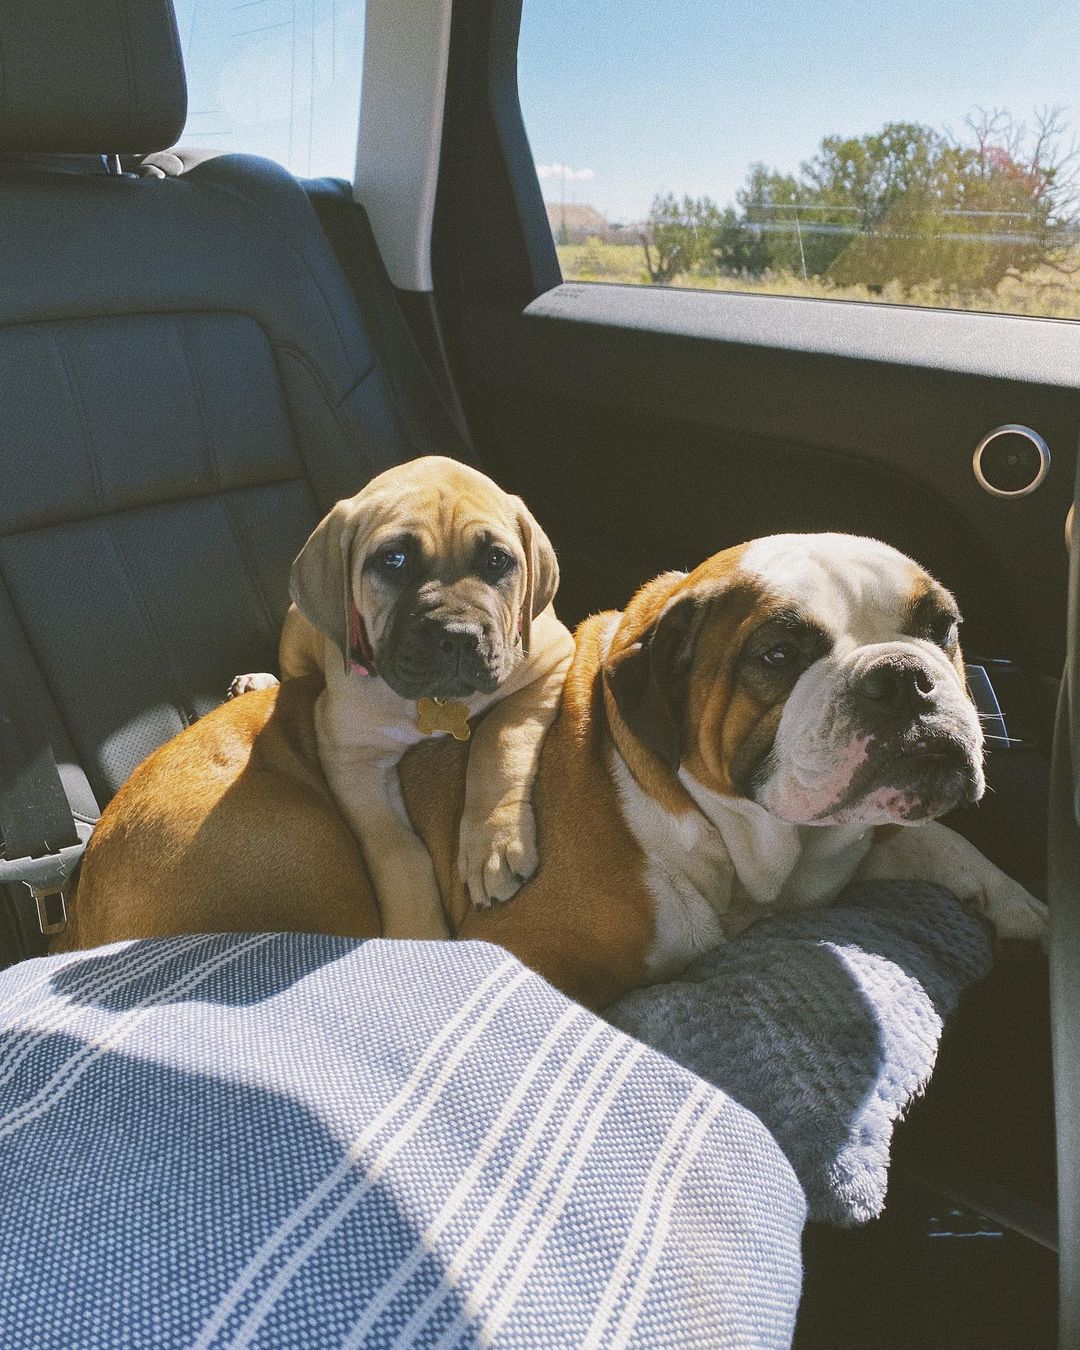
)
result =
(817, 675)
(428, 579)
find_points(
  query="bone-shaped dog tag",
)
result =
(432, 715)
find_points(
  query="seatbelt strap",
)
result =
(42, 841)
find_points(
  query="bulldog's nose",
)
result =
(902, 688)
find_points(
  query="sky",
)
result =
(279, 78)
(636, 97)
(651, 95)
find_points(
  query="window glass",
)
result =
(279, 78)
(920, 153)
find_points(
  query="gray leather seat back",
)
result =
(186, 385)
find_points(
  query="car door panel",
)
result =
(672, 444)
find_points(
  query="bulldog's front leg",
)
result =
(368, 794)
(937, 854)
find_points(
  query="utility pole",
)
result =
(798, 235)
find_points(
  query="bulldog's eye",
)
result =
(496, 563)
(781, 655)
(942, 630)
(392, 559)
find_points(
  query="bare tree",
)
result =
(1027, 174)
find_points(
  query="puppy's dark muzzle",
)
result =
(443, 660)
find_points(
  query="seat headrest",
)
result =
(90, 76)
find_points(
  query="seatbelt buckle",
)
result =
(51, 907)
(47, 877)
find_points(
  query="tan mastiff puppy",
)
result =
(422, 601)
(745, 738)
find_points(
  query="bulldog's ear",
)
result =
(319, 582)
(541, 567)
(649, 680)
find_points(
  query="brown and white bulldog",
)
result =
(747, 737)
(776, 715)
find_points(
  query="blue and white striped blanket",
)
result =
(302, 1141)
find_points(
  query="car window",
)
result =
(275, 78)
(920, 154)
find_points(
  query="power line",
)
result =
(853, 210)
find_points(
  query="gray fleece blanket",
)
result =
(826, 1026)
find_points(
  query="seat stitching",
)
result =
(129, 70)
(80, 414)
(273, 628)
(187, 715)
(335, 406)
(284, 344)
(224, 503)
(192, 311)
(209, 448)
(40, 667)
(275, 344)
(163, 504)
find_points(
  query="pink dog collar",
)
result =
(361, 657)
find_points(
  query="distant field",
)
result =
(1042, 292)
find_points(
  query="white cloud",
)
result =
(565, 172)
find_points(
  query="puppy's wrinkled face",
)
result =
(819, 676)
(440, 591)
(428, 579)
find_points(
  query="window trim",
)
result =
(1044, 351)
(402, 97)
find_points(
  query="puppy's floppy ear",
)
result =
(542, 570)
(649, 679)
(319, 582)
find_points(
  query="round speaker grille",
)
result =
(1011, 461)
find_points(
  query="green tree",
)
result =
(910, 205)
(739, 247)
(771, 212)
(884, 195)
(678, 235)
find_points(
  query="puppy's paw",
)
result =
(498, 856)
(246, 684)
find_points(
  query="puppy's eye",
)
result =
(496, 563)
(392, 559)
(783, 654)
